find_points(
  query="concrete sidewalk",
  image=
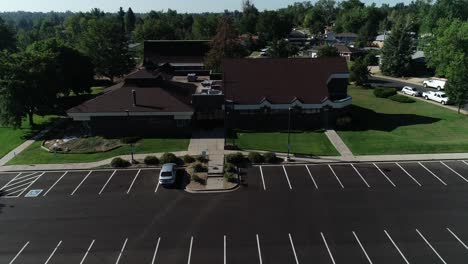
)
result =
(211, 142)
(338, 143)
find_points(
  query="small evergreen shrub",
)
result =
(270, 157)
(343, 121)
(235, 158)
(401, 99)
(255, 157)
(230, 177)
(198, 167)
(201, 159)
(120, 163)
(168, 158)
(229, 167)
(151, 160)
(382, 92)
(198, 179)
(188, 159)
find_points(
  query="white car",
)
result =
(435, 83)
(167, 176)
(411, 91)
(439, 97)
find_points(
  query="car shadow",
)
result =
(364, 119)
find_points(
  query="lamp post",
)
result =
(132, 160)
(289, 133)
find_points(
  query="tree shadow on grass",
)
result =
(364, 119)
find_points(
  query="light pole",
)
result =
(289, 133)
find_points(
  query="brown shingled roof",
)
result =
(173, 97)
(280, 81)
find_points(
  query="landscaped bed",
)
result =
(34, 154)
(383, 126)
(307, 143)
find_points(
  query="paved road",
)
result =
(406, 212)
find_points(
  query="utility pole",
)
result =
(289, 133)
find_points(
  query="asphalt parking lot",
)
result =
(406, 212)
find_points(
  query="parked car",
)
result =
(435, 83)
(167, 176)
(411, 91)
(439, 97)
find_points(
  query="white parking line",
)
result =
(316, 186)
(87, 251)
(121, 251)
(55, 183)
(134, 179)
(81, 183)
(35, 180)
(459, 240)
(364, 180)
(433, 174)
(328, 249)
(19, 253)
(259, 251)
(465, 162)
(20, 187)
(362, 247)
(263, 180)
(429, 244)
(294, 250)
(107, 182)
(458, 174)
(336, 176)
(10, 181)
(53, 252)
(156, 251)
(287, 178)
(397, 248)
(385, 175)
(409, 175)
(26, 176)
(15, 184)
(225, 250)
(190, 250)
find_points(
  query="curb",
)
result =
(228, 190)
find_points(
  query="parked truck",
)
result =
(439, 97)
(438, 83)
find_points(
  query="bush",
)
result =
(235, 158)
(168, 158)
(188, 159)
(229, 167)
(198, 167)
(401, 99)
(382, 92)
(230, 177)
(270, 157)
(130, 140)
(198, 179)
(151, 160)
(201, 159)
(256, 157)
(120, 163)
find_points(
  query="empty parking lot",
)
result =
(384, 212)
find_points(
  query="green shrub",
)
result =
(201, 159)
(198, 179)
(270, 157)
(382, 92)
(256, 157)
(120, 163)
(188, 159)
(151, 160)
(169, 158)
(235, 158)
(130, 140)
(229, 167)
(198, 167)
(401, 99)
(230, 177)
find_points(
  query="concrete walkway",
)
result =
(338, 143)
(212, 142)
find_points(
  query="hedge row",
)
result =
(383, 92)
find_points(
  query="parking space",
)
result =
(276, 179)
(446, 173)
(393, 245)
(375, 177)
(326, 180)
(350, 176)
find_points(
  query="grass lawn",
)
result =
(36, 155)
(10, 138)
(382, 126)
(309, 143)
